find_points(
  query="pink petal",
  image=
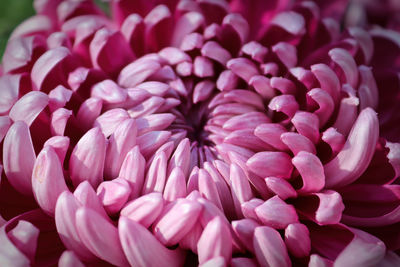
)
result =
(280, 187)
(276, 213)
(5, 124)
(25, 236)
(285, 104)
(297, 143)
(357, 152)
(325, 103)
(297, 240)
(291, 21)
(186, 24)
(285, 86)
(89, 110)
(208, 188)
(202, 91)
(176, 185)
(243, 262)
(262, 86)
(132, 169)
(140, 246)
(65, 211)
(87, 197)
(177, 222)
(18, 168)
(174, 55)
(368, 90)
(244, 230)
(137, 72)
(69, 259)
(48, 66)
(151, 141)
(243, 68)
(348, 65)
(10, 85)
(144, 209)
(307, 124)
(328, 80)
(311, 171)
(255, 50)
(271, 133)
(334, 139)
(28, 107)
(214, 262)
(58, 97)
(154, 122)
(214, 51)
(100, 236)
(215, 241)
(279, 164)
(348, 110)
(109, 92)
(48, 179)
(87, 158)
(120, 142)
(287, 53)
(114, 194)
(110, 120)
(192, 41)
(156, 175)
(109, 51)
(269, 247)
(240, 187)
(59, 120)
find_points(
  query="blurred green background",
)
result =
(13, 12)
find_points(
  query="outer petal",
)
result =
(48, 179)
(100, 236)
(19, 157)
(140, 246)
(87, 158)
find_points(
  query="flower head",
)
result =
(204, 132)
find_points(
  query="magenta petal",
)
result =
(87, 158)
(177, 222)
(144, 209)
(269, 247)
(48, 179)
(297, 240)
(120, 142)
(357, 152)
(100, 236)
(140, 246)
(19, 157)
(69, 259)
(215, 241)
(276, 213)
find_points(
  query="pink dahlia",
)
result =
(207, 132)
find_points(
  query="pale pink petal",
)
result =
(215, 241)
(114, 194)
(325, 103)
(269, 247)
(276, 213)
(297, 240)
(138, 71)
(279, 164)
(255, 50)
(156, 175)
(271, 133)
(214, 51)
(88, 112)
(243, 262)
(19, 157)
(140, 246)
(28, 107)
(10, 85)
(311, 171)
(132, 169)
(109, 120)
(307, 124)
(144, 209)
(328, 80)
(248, 208)
(346, 62)
(58, 97)
(357, 152)
(215, 262)
(151, 141)
(120, 142)
(334, 139)
(100, 236)
(287, 54)
(186, 24)
(176, 185)
(87, 158)
(280, 187)
(69, 259)
(25, 236)
(227, 80)
(262, 86)
(348, 111)
(5, 124)
(240, 187)
(48, 179)
(284, 85)
(109, 92)
(154, 122)
(208, 188)
(244, 230)
(243, 68)
(297, 143)
(59, 120)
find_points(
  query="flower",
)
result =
(204, 132)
